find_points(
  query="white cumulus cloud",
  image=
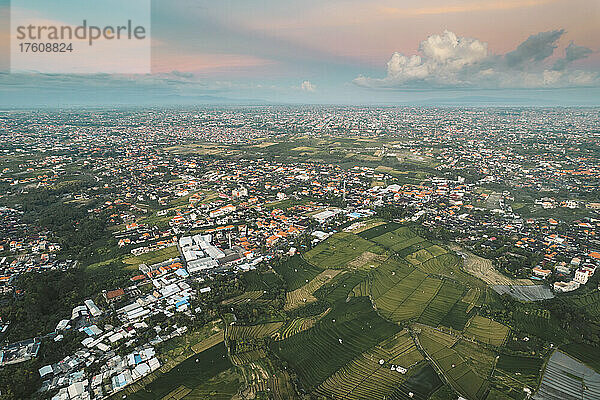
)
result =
(308, 87)
(448, 60)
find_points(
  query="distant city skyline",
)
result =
(459, 52)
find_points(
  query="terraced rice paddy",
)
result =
(193, 378)
(244, 297)
(483, 269)
(339, 250)
(249, 332)
(373, 374)
(453, 366)
(487, 331)
(304, 294)
(513, 373)
(349, 330)
(458, 316)
(589, 302)
(298, 325)
(403, 293)
(296, 272)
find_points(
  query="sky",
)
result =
(442, 52)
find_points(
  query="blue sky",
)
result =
(542, 52)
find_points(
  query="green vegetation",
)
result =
(202, 375)
(456, 369)
(339, 250)
(296, 272)
(347, 331)
(152, 257)
(487, 331)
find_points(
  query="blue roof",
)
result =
(181, 272)
(182, 302)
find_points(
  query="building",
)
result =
(582, 276)
(561, 287)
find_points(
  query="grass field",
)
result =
(487, 331)
(350, 329)
(152, 257)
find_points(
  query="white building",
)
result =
(561, 287)
(582, 276)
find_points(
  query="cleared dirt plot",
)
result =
(487, 331)
(373, 374)
(567, 379)
(350, 329)
(304, 295)
(483, 269)
(525, 293)
(244, 297)
(296, 272)
(455, 368)
(339, 250)
(367, 260)
(249, 332)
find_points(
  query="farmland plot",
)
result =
(350, 329)
(339, 250)
(304, 295)
(373, 374)
(454, 367)
(487, 331)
